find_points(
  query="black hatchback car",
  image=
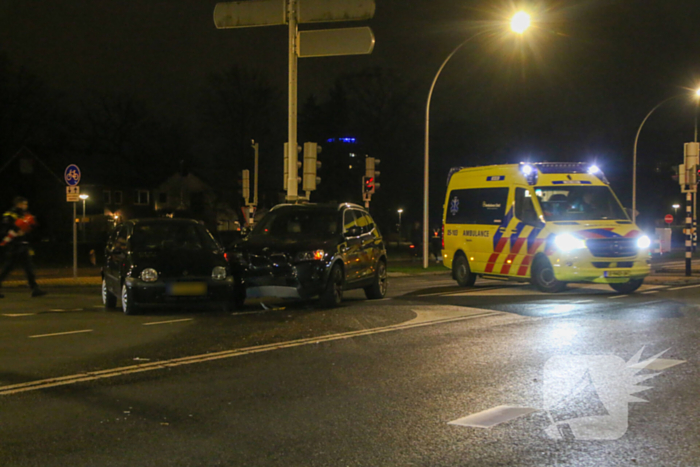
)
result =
(155, 262)
(308, 250)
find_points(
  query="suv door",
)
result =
(116, 256)
(370, 245)
(352, 246)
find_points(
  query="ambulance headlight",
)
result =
(567, 242)
(643, 242)
(526, 169)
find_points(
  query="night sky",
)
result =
(576, 87)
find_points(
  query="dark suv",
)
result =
(308, 250)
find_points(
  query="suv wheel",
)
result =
(380, 285)
(333, 294)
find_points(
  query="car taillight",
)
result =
(226, 256)
(442, 234)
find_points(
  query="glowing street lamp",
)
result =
(519, 23)
(675, 207)
(400, 211)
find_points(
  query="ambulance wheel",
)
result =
(461, 272)
(627, 287)
(543, 277)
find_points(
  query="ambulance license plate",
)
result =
(188, 289)
(610, 274)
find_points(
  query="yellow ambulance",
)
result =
(547, 223)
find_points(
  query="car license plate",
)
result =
(616, 274)
(189, 289)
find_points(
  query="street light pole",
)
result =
(519, 23)
(399, 242)
(634, 156)
(84, 197)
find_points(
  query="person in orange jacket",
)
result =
(15, 225)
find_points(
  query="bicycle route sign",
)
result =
(72, 175)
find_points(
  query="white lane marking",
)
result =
(492, 417)
(657, 364)
(650, 292)
(57, 310)
(685, 287)
(15, 315)
(578, 302)
(60, 333)
(167, 322)
(617, 296)
(249, 313)
(420, 321)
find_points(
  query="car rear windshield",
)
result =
(579, 203)
(171, 236)
(293, 223)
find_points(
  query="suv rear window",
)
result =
(292, 223)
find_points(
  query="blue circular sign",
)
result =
(72, 175)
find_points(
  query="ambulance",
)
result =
(547, 223)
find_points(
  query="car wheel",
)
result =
(627, 287)
(462, 273)
(380, 285)
(128, 305)
(333, 294)
(109, 300)
(543, 277)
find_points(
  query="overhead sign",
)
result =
(72, 194)
(249, 14)
(72, 175)
(321, 11)
(669, 219)
(330, 42)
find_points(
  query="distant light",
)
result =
(352, 154)
(350, 167)
(697, 93)
(520, 22)
(400, 211)
(593, 169)
(84, 197)
(676, 206)
(526, 169)
(347, 140)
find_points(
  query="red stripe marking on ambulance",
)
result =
(522, 270)
(506, 266)
(491, 263)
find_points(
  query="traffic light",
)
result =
(311, 166)
(371, 173)
(286, 164)
(368, 185)
(245, 184)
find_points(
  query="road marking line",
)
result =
(96, 375)
(249, 313)
(60, 333)
(583, 301)
(58, 310)
(617, 296)
(492, 417)
(15, 315)
(685, 287)
(167, 322)
(650, 292)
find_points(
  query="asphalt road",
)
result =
(553, 379)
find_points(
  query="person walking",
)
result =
(14, 227)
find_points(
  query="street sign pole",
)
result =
(75, 243)
(292, 171)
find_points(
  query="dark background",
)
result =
(116, 85)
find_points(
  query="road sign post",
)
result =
(72, 177)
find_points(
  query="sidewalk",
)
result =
(57, 277)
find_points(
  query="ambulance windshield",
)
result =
(579, 203)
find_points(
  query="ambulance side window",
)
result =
(524, 209)
(485, 206)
